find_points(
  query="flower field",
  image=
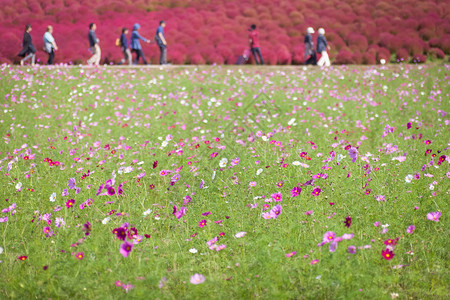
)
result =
(204, 31)
(224, 182)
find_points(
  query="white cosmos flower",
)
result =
(223, 162)
(296, 163)
(193, 250)
(408, 178)
(53, 197)
(18, 185)
(240, 234)
(1, 250)
(431, 187)
(147, 212)
(259, 171)
(164, 143)
(157, 218)
(265, 138)
(340, 157)
(106, 220)
(140, 163)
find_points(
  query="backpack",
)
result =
(118, 44)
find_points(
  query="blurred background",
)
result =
(215, 31)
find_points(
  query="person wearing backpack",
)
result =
(123, 43)
(162, 43)
(50, 45)
(136, 45)
(28, 51)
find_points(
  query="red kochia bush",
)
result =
(197, 59)
(344, 57)
(419, 59)
(402, 55)
(369, 58)
(436, 53)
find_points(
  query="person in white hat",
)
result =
(322, 47)
(310, 52)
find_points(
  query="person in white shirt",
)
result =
(50, 45)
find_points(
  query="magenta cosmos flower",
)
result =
(126, 248)
(434, 216)
(197, 278)
(296, 191)
(202, 223)
(316, 191)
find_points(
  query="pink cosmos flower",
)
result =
(202, 223)
(434, 216)
(410, 229)
(291, 254)
(313, 262)
(351, 249)
(277, 197)
(197, 278)
(179, 213)
(275, 211)
(353, 153)
(333, 246)
(328, 237)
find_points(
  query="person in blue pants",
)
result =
(136, 45)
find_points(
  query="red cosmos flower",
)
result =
(427, 142)
(147, 236)
(151, 186)
(387, 254)
(391, 242)
(348, 221)
(222, 234)
(70, 203)
(303, 154)
(79, 255)
(155, 164)
(347, 147)
(26, 157)
(23, 257)
(441, 159)
(308, 158)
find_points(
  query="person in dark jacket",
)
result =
(136, 45)
(50, 45)
(322, 47)
(162, 43)
(28, 51)
(254, 44)
(124, 46)
(94, 46)
(310, 52)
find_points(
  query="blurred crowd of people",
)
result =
(133, 46)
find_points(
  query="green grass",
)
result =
(154, 103)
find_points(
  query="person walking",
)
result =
(254, 44)
(136, 45)
(28, 51)
(124, 46)
(50, 45)
(322, 47)
(94, 46)
(162, 43)
(310, 52)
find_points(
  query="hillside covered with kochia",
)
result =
(202, 31)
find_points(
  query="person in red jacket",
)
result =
(254, 44)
